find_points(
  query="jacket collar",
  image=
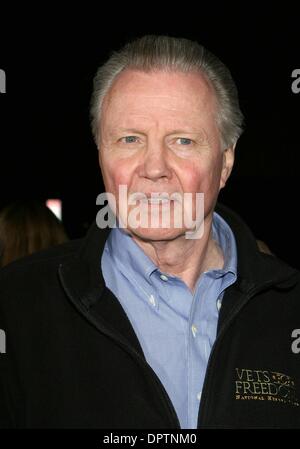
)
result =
(83, 282)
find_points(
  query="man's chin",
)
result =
(156, 234)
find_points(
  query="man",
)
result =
(173, 318)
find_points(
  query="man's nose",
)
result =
(155, 163)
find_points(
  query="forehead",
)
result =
(136, 92)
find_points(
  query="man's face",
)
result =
(158, 133)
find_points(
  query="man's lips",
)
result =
(155, 197)
(156, 200)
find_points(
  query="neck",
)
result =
(185, 258)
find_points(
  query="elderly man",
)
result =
(173, 319)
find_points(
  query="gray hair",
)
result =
(154, 53)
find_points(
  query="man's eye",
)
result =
(184, 141)
(129, 139)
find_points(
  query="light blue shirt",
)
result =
(175, 327)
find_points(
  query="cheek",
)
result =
(201, 176)
(116, 173)
(193, 175)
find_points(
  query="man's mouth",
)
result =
(157, 200)
(154, 198)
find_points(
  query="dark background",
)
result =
(50, 58)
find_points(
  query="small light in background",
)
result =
(55, 206)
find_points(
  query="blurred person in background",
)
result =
(27, 227)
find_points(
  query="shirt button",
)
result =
(152, 300)
(194, 330)
(163, 277)
(219, 303)
(199, 395)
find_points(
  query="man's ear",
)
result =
(228, 161)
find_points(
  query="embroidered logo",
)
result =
(264, 385)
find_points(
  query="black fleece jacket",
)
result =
(73, 359)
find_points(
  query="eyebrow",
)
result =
(176, 131)
(185, 131)
(130, 130)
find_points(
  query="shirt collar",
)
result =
(223, 235)
(126, 251)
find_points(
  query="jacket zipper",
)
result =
(85, 311)
(152, 373)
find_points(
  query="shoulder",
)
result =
(22, 280)
(40, 259)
